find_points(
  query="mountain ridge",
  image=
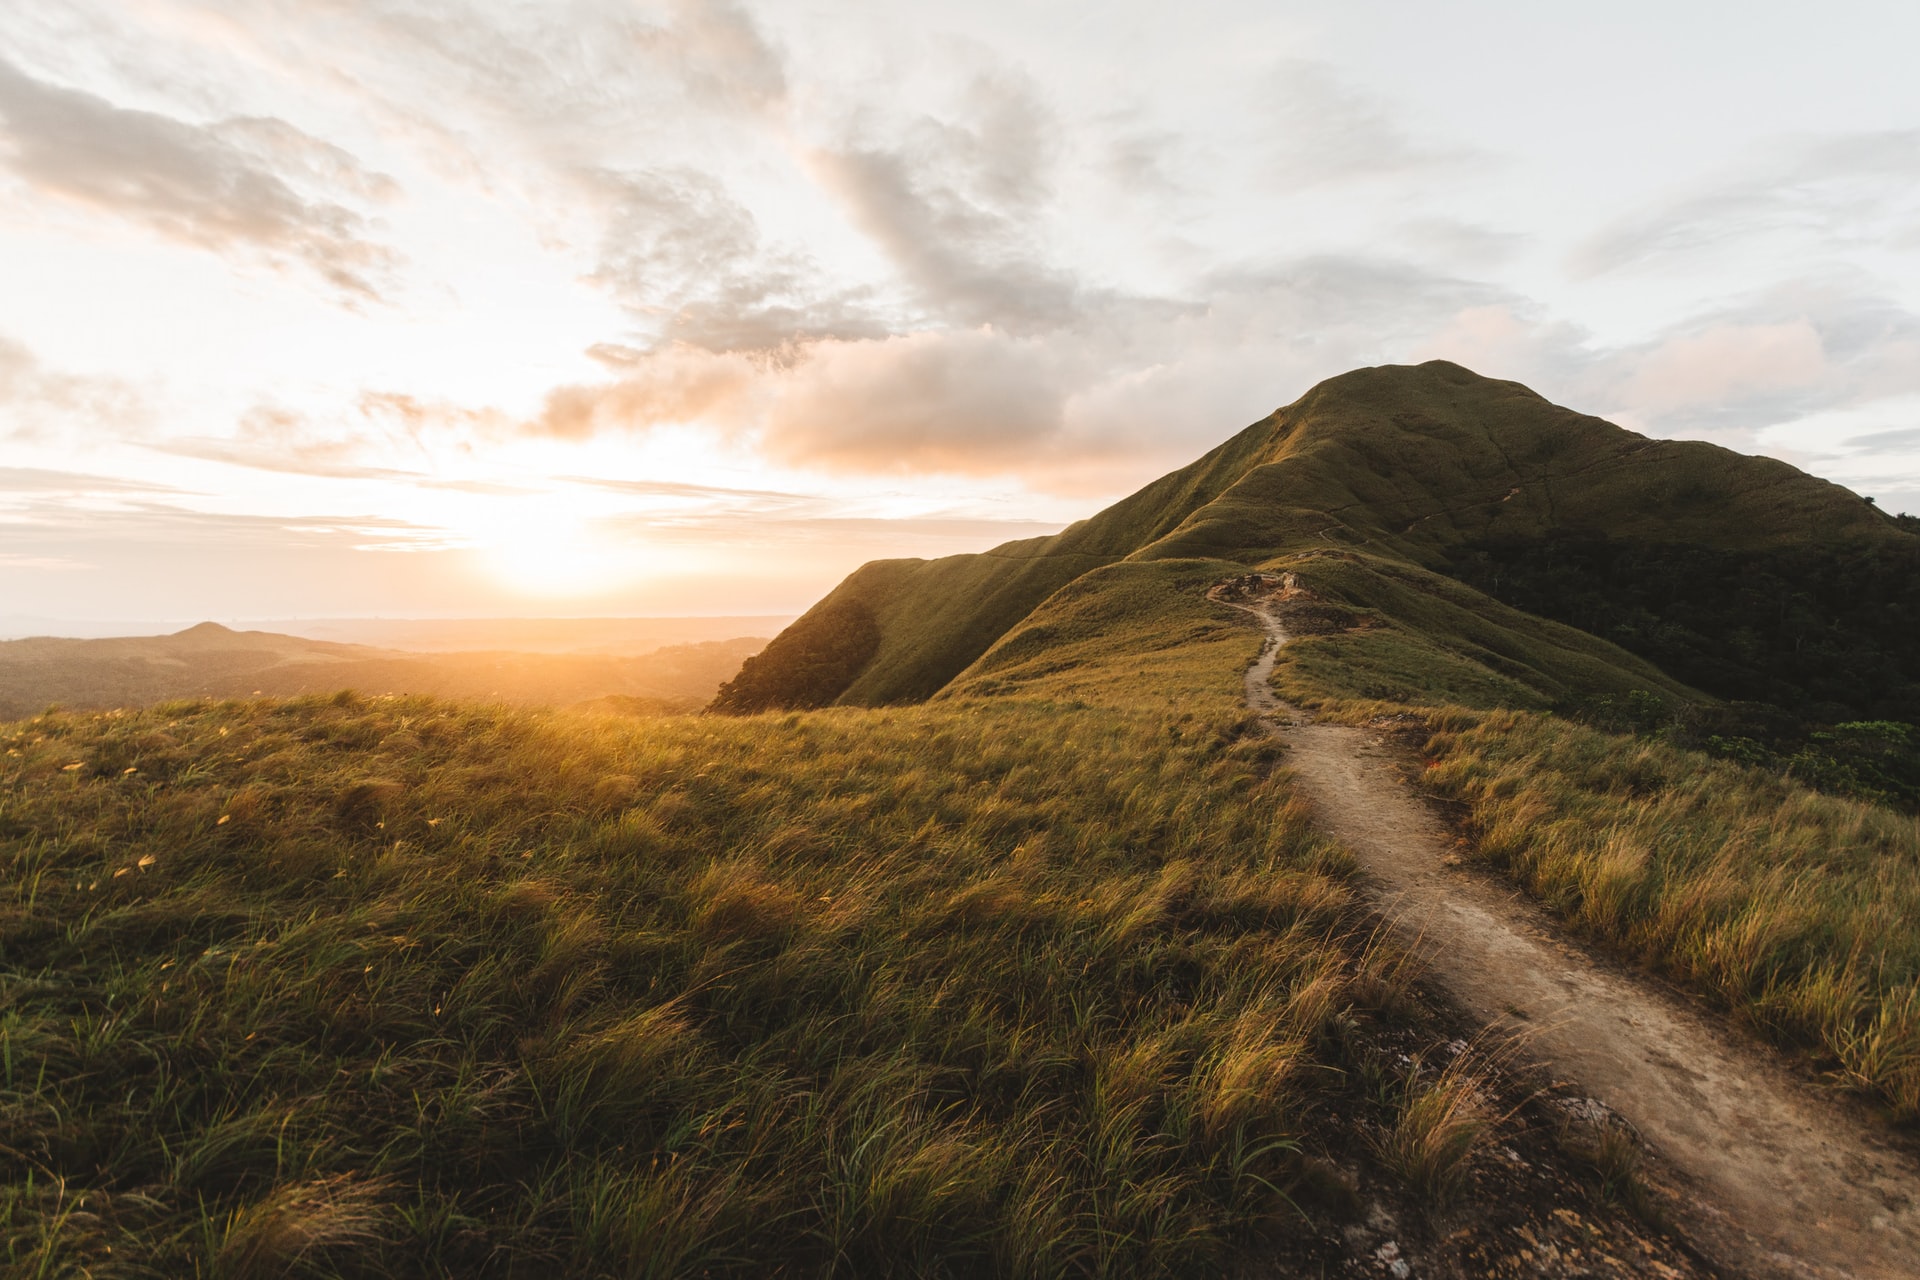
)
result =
(1410, 470)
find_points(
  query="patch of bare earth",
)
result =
(1750, 1166)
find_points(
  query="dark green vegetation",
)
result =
(1828, 632)
(808, 665)
(212, 661)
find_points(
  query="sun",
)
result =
(553, 553)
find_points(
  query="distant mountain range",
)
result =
(210, 660)
(627, 637)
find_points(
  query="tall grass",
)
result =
(1795, 909)
(350, 987)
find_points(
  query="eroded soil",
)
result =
(1755, 1168)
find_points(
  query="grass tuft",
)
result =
(283, 1232)
(1441, 1124)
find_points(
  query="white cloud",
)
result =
(241, 186)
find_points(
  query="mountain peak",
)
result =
(1421, 469)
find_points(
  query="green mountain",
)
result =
(1453, 527)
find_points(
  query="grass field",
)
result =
(1795, 910)
(399, 987)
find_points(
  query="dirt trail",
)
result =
(1769, 1178)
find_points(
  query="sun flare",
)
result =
(554, 553)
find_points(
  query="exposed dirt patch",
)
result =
(1531, 1204)
(1754, 1167)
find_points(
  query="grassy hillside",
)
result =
(1443, 531)
(1017, 986)
(934, 617)
(213, 661)
(1415, 472)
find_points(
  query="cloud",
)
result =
(72, 483)
(381, 425)
(272, 438)
(687, 259)
(249, 186)
(1801, 348)
(38, 401)
(1461, 244)
(722, 56)
(1325, 131)
(936, 400)
(1727, 363)
(1905, 440)
(954, 205)
(1137, 382)
(956, 401)
(1851, 189)
(929, 536)
(681, 489)
(679, 383)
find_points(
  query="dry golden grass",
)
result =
(386, 987)
(1792, 908)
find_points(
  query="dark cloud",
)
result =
(1859, 188)
(251, 186)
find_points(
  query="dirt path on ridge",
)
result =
(1768, 1177)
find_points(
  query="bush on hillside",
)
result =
(1877, 761)
(808, 665)
(1825, 632)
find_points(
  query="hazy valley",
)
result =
(575, 662)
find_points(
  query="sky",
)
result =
(333, 308)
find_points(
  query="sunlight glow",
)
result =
(543, 550)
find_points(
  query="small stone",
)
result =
(1389, 1257)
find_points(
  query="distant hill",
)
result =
(619, 637)
(210, 660)
(1465, 521)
